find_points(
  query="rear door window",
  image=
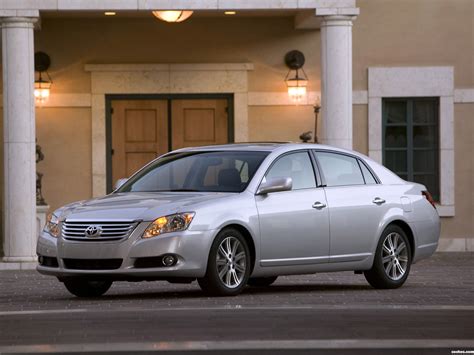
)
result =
(339, 169)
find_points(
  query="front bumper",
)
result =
(190, 247)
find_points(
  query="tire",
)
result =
(228, 266)
(261, 281)
(87, 288)
(393, 255)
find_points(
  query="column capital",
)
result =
(18, 21)
(337, 20)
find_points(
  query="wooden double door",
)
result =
(144, 129)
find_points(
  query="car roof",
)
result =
(267, 147)
(247, 146)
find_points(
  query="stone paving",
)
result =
(446, 279)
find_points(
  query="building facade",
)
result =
(394, 80)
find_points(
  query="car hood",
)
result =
(145, 206)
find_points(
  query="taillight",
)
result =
(429, 198)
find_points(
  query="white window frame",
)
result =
(409, 82)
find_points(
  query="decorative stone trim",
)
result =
(68, 100)
(456, 244)
(161, 79)
(464, 96)
(281, 99)
(417, 82)
(255, 98)
(168, 67)
(360, 97)
(173, 4)
(26, 265)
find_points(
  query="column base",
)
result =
(27, 264)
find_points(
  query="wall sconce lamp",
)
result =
(296, 79)
(42, 84)
(173, 16)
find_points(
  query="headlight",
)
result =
(52, 225)
(166, 224)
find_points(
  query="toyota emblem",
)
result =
(93, 231)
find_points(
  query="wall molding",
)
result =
(266, 98)
(255, 98)
(456, 244)
(417, 82)
(174, 4)
(169, 67)
(464, 95)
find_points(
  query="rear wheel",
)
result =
(87, 288)
(261, 281)
(392, 260)
(228, 267)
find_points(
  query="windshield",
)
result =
(224, 171)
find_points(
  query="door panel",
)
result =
(199, 122)
(354, 220)
(353, 217)
(292, 232)
(139, 134)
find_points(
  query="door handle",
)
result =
(318, 205)
(378, 201)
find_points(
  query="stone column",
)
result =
(19, 139)
(336, 80)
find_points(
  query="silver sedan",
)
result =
(243, 214)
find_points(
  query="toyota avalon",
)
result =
(243, 214)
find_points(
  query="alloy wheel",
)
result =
(231, 262)
(394, 256)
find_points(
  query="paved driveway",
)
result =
(334, 312)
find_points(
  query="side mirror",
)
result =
(275, 185)
(119, 183)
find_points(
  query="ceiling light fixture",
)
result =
(173, 15)
(230, 12)
(110, 13)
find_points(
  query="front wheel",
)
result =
(392, 260)
(228, 267)
(87, 288)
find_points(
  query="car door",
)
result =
(356, 205)
(294, 225)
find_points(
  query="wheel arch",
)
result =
(248, 238)
(408, 231)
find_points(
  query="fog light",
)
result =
(169, 260)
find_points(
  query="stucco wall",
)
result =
(65, 138)
(279, 123)
(411, 33)
(462, 225)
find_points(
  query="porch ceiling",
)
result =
(147, 13)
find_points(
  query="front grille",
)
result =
(92, 264)
(107, 230)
